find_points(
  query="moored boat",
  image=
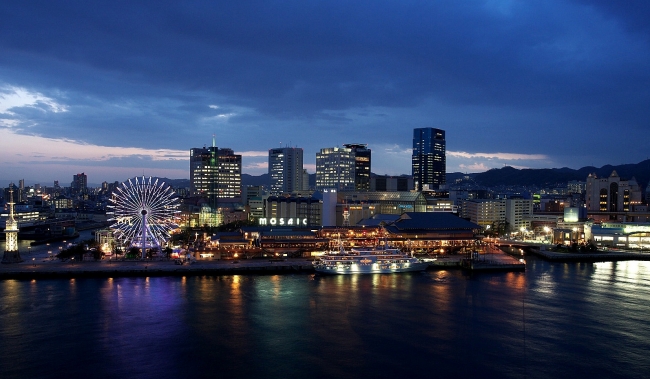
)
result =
(368, 261)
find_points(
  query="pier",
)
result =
(494, 259)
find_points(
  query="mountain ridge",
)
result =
(507, 175)
(554, 176)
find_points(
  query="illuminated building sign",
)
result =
(571, 214)
(283, 221)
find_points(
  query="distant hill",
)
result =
(177, 183)
(508, 176)
(260, 180)
(558, 176)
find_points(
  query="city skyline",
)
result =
(118, 91)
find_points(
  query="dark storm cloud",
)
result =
(148, 70)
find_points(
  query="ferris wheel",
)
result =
(143, 213)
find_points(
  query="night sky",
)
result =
(117, 89)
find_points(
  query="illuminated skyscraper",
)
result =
(285, 170)
(362, 162)
(20, 196)
(229, 173)
(429, 164)
(335, 169)
(204, 172)
(215, 173)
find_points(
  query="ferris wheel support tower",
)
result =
(147, 233)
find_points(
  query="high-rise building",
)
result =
(79, 184)
(204, 172)
(229, 173)
(285, 170)
(429, 165)
(335, 169)
(215, 173)
(362, 162)
(20, 194)
(305, 180)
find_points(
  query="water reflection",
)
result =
(554, 320)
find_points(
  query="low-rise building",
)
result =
(292, 211)
(628, 235)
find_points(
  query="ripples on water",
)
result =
(554, 321)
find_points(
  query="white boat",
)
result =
(368, 261)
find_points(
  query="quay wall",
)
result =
(56, 270)
(599, 256)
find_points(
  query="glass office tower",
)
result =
(429, 164)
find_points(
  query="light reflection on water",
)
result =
(555, 320)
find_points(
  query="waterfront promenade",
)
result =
(36, 266)
(596, 256)
(544, 251)
(42, 264)
(45, 268)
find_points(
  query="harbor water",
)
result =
(552, 321)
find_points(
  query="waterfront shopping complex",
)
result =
(423, 233)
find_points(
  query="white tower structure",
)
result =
(11, 254)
